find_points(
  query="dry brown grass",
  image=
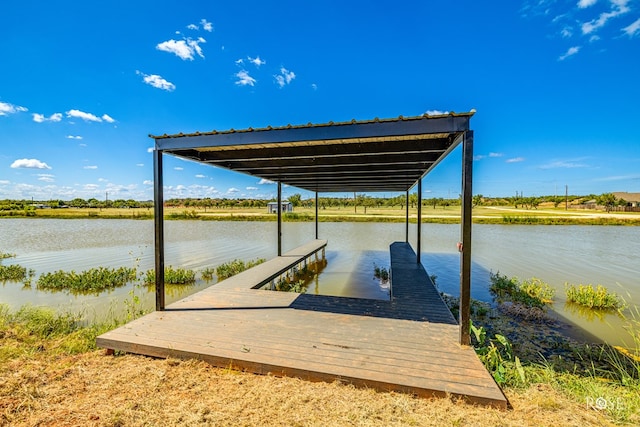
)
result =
(96, 389)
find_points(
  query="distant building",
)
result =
(632, 199)
(272, 207)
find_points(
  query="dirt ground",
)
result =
(96, 389)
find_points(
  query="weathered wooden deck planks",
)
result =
(408, 344)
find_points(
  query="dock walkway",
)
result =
(407, 344)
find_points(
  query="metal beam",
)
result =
(158, 212)
(465, 249)
(279, 218)
(309, 133)
(419, 244)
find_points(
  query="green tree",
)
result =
(295, 199)
(607, 200)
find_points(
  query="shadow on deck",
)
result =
(407, 344)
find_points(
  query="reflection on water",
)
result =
(555, 254)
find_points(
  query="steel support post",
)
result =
(465, 244)
(279, 218)
(406, 219)
(158, 212)
(419, 243)
(316, 215)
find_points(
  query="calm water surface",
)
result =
(555, 254)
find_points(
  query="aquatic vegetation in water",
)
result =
(381, 273)
(530, 293)
(172, 276)
(5, 255)
(15, 273)
(92, 280)
(231, 268)
(208, 273)
(597, 298)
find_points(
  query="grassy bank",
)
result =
(449, 215)
(51, 373)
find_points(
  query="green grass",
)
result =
(92, 280)
(597, 298)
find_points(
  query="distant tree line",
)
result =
(606, 200)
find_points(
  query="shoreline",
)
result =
(597, 220)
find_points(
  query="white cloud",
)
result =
(565, 164)
(4, 182)
(570, 52)
(207, 26)
(147, 182)
(618, 7)
(102, 179)
(285, 77)
(140, 164)
(6, 109)
(200, 176)
(88, 117)
(178, 168)
(255, 61)
(150, 149)
(566, 32)
(74, 137)
(232, 190)
(633, 29)
(264, 181)
(244, 79)
(90, 167)
(616, 177)
(436, 112)
(478, 157)
(495, 154)
(582, 4)
(156, 81)
(239, 61)
(46, 177)
(314, 86)
(515, 160)
(40, 118)
(252, 188)
(91, 187)
(184, 49)
(29, 164)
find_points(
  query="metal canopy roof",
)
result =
(374, 155)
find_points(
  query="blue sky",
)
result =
(556, 87)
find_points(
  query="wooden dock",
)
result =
(408, 344)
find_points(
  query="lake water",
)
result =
(555, 254)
